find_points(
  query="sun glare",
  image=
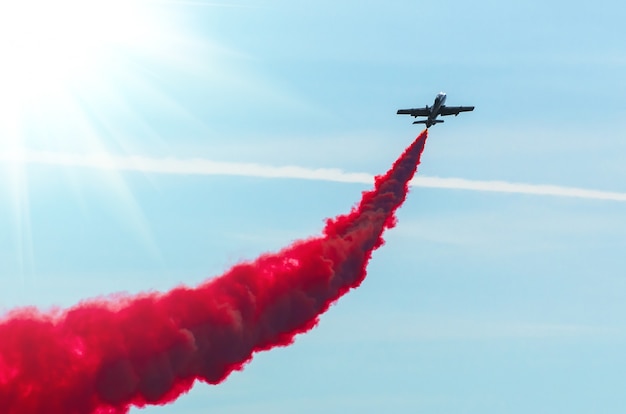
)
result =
(64, 67)
(46, 45)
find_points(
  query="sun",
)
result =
(91, 77)
(51, 49)
(46, 45)
(62, 66)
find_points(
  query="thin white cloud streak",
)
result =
(203, 3)
(519, 188)
(198, 166)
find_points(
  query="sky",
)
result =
(148, 144)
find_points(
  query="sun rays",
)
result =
(70, 72)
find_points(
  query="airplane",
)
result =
(432, 112)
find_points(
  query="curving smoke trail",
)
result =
(104, 356)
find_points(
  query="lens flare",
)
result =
(49, 45)
(64, 82)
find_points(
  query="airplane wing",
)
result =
(454, 110)
(414, 111)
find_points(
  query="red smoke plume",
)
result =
(107, 355)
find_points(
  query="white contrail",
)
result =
(203, 3)
(198, 166)
(520, 188)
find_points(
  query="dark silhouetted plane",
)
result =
(432, 112)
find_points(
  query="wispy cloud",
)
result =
(198, 166)
(519, 188)
(203, 3)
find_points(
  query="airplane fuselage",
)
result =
(440, 100)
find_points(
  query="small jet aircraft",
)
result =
(432, 112)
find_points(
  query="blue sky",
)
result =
(480, 302)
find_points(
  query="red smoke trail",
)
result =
(105, 356)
